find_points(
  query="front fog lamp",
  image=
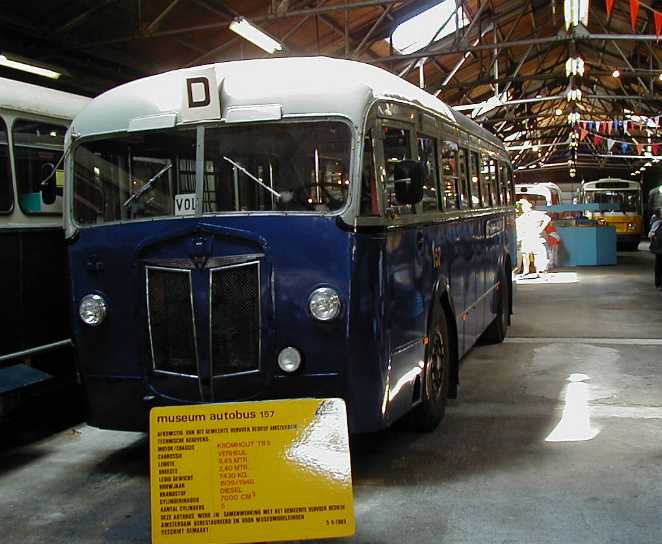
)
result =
(289, 359)
(92, 310)
(324, 304)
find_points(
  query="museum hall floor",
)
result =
(557, 439)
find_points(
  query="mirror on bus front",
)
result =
(409, 177)
(48, 186)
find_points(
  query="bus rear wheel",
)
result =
(497, 330)
(427, 415)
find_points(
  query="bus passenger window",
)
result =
(396, 148)
(369, 202)
(494, 187)
(427, 152)
(465, 198)
(486, 181)
(505, 187)
(449, 169)
(5, 171)
(475, 181)
(37, 150)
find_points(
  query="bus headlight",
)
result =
(289, 359)
(324, 304)
(632, 226)
(92, 310)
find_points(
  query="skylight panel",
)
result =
(415, 33)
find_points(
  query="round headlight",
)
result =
(289, 359)
(324, 304)
(92, 310)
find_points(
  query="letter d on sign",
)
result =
(200, 96)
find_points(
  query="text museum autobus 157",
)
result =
(35, 339)
(298, 227)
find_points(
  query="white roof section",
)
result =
(300, 86)
(26, 98)
(592, 185)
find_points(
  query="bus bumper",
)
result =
(123, 403)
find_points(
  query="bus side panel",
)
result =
(34, 292)
(406, 315)
(368, 368)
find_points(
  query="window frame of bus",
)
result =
(429, 126)
(390, 212)
(53, 122)
(474, 170)
(10, 170)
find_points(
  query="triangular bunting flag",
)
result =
(640, 149)
(583, 133)
(609, 125)
(658, 23)
(634, 14)
(610, 6)
(597, 139)
(625, 147)
(655, 149)
(610, 144)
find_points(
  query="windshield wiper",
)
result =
(147, 185)
(255, 179)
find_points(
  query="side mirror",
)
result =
(48, 186)
(409, 179)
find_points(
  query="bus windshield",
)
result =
(271, 167)
(628, 201)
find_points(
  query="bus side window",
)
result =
(495, 189)
(6, 200)
(475, 181)
(397, 147)
(369, 202)
(427, 152)
(37, 150)
(449, 169)
(465, 198)
(509, 185)
(485, 181)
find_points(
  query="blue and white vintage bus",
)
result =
(295, 227)
(35, 339)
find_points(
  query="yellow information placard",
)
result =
(250, 472)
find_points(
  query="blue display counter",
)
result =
(587, 246)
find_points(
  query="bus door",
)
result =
(473, 242)
(405, 251)
(455, 254)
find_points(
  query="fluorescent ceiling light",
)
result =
(253, 34)
(417, 32)
(25, 67)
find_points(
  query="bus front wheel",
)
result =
(427, 415)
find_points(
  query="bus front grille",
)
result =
(171, 321)
(234, 307)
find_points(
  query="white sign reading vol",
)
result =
(200, 100)
(185, 204)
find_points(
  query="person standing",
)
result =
(655, 237)
(530, 227)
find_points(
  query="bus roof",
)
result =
(299, 85)
(611, 183)
(26, 98)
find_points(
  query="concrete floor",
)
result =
(581, 366)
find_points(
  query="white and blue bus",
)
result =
(295, 227)
(35, 338)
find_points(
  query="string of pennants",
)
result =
(607, 127)
(625, 146)
(634, 15)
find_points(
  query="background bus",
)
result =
(653, 204)
(539, 194)
(337, 232)
(35, 339)
(626, 217)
